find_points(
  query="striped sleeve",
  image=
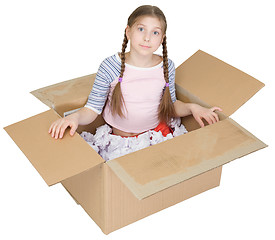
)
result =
(100, 90)
(172, 74)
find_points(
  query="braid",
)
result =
(117, 97)
(166, 107)
(124, 46)
(165, 60)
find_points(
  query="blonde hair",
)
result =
(166, 108)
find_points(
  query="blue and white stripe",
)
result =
(108, 71)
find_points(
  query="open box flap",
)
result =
(66, 95)
(55, 160)
(157, 167)
(216, 82)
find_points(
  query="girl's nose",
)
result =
(147, 38)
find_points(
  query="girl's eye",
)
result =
(140, 29)
(156, 33)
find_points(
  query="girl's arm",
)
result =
(83, 116)
(96, 100)
(184, 109)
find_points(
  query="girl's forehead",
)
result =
(149, 21)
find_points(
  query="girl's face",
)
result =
(146, 35)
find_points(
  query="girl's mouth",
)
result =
(144, 46)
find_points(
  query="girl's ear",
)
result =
(127, 32)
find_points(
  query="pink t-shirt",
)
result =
(142, 89)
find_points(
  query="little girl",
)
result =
(135, 90)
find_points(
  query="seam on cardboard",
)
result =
(105, 197)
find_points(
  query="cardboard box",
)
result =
(124, 190)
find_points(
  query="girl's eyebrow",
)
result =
(145, 25)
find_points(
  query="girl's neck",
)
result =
(142, 61)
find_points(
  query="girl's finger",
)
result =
(53, 129)
(73, 129)
(216, 116)
(213, 109)
(57, 130)
(208, 119)
(62, 129)
(213, 119)
(198, 119)
(50, 129)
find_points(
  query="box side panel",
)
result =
(87, 190)
(124, 208)
(160, 166)
(66, 95)
(216, 82)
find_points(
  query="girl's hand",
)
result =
(59, 126)
(208, 114)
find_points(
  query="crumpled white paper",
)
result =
(110, 146)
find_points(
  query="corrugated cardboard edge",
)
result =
(142, 191)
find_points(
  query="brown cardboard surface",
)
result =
(157, 167)
(55, 160)
(123, 207)
(87, 188)
(216, 82)
(66, 95)
(112, 205)
(189, 122)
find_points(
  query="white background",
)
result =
(46, 42)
